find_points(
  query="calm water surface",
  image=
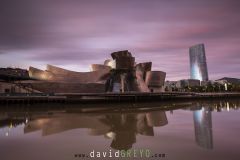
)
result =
(199, 130)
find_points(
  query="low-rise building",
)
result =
(5, 87)
(183, 84)
(170, 86)
(187, 83)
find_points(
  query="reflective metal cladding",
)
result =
(198, 64)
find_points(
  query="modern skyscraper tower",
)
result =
(202, 118)
(198, 64)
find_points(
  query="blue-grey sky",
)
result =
(75, 33)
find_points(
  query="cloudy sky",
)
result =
(75, 33)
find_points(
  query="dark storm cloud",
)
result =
(82, 31)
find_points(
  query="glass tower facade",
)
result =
(198, 64)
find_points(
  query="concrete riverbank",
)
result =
(108, 97)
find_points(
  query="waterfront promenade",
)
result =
(108, 97)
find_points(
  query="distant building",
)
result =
(170, 86)
(229, 80)
(11, 74)
(198, 64)
(206, 83)
(187, 83)
(223, 84)
(6, 87)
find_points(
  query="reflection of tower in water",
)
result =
(203, 127)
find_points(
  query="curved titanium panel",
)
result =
(110, 63)
(119, 54)
(57, 74)
(125, 62)
(97, 67)
(58, 70)
(155, 78)
(144, 68)
(141, 86)
(39, 74)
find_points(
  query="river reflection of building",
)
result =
(203, 127)
(121, 128)
(202, 116)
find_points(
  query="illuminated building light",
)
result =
(225, 85)
(227, 106)
(111, 135)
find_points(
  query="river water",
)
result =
(189, 130)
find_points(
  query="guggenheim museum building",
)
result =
(119, 74)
